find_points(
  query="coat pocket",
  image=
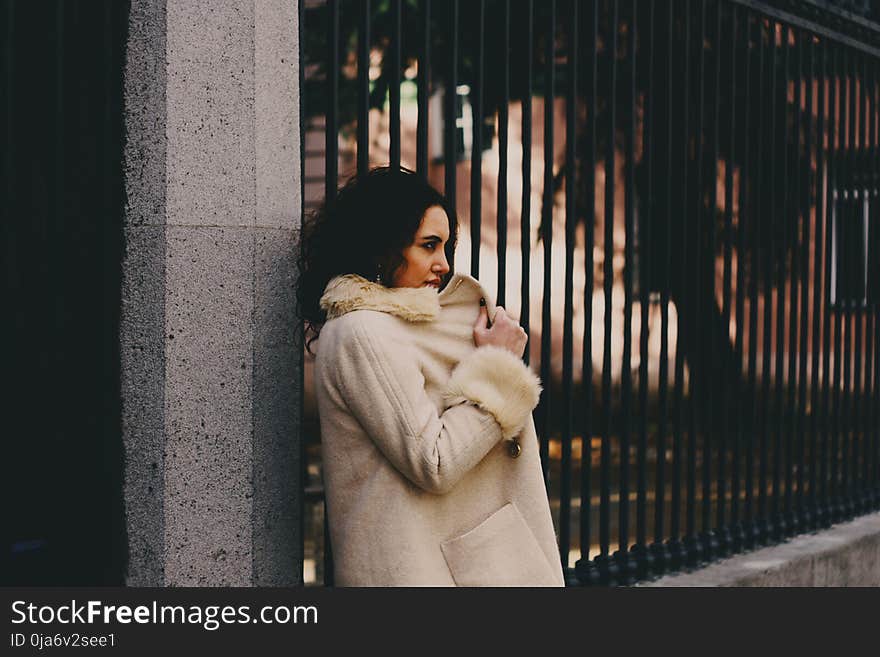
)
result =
(500, 551)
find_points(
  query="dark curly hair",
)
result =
(363, 230)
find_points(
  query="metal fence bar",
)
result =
(568, 311)
(331, 176)
(851, 269)
(874, 296)
(861, 367)
(526, 205)
(873, 357)
(818, 425)
(830, 292)
(875, 393)
(839, 124)
(859, 290)
(682, 457)
(712, 537)
(807, 77)
(646, 222)
(363, 97)
(626, 366)
(816, 297)
(658, 550)
(858, 287)
(861, 293)
(767, 217)
(776, 271)
(844, 236)
(547, 231)
(846, 270)
(676, 545)
(733, 193)
(503, 129)
(394, 90)
(875, 424)
(694, 234)
(585, 574)
(9, 149)
(450, 156)
(821, 294)
(838, 216)
(870, 292)
(736, 516)
(850, 254)
(424, 83)
(792, 219)
(815, 26)
(871, 188)
(608, 280)
(828, 439)
(752, 206)
(857, 283)
(788, 289)
(477, 143)
(803, 169)
(725, 537)
(53, 231)
(816, 461)
(331, 124)
(864, 354)
(779, 268)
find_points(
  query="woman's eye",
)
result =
(431, 245)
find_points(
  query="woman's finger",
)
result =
(482, 319)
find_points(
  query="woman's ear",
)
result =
(388, 268)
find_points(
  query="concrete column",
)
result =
(211, 376)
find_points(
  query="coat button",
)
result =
(514, 449)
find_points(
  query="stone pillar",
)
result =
(211, 376)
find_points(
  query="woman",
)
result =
(430, 458)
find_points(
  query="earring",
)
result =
(379, 276)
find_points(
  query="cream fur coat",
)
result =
(419, 431)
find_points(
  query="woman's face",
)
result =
(424, 261)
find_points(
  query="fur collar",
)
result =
(352, 292)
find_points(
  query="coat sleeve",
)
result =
(489, 396)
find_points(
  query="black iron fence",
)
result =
(680, 201)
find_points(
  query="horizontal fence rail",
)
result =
(680, 202)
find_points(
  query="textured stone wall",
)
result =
(211, 375)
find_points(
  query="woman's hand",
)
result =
(505, 332)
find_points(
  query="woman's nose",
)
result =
(442, 266)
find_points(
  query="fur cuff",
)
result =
(498, 382)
